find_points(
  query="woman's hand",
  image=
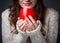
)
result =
(28, 24)
(22, 24)
(32, 24)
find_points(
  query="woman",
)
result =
(15, 30)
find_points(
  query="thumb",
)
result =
(18, 18)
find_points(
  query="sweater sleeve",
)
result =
(36, 35)
(7, 36)
(53, 28)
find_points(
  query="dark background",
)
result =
(48, 3)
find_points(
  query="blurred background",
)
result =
(48, 3)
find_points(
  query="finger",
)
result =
(31, 26)
(19, 21)
(38, 22)
(28, 21)
(25, 27)
(18, 18)
(33, 21)
(22, 26)
(31, 18)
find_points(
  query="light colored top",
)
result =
(50, 26)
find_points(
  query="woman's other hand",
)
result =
(32, 24)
